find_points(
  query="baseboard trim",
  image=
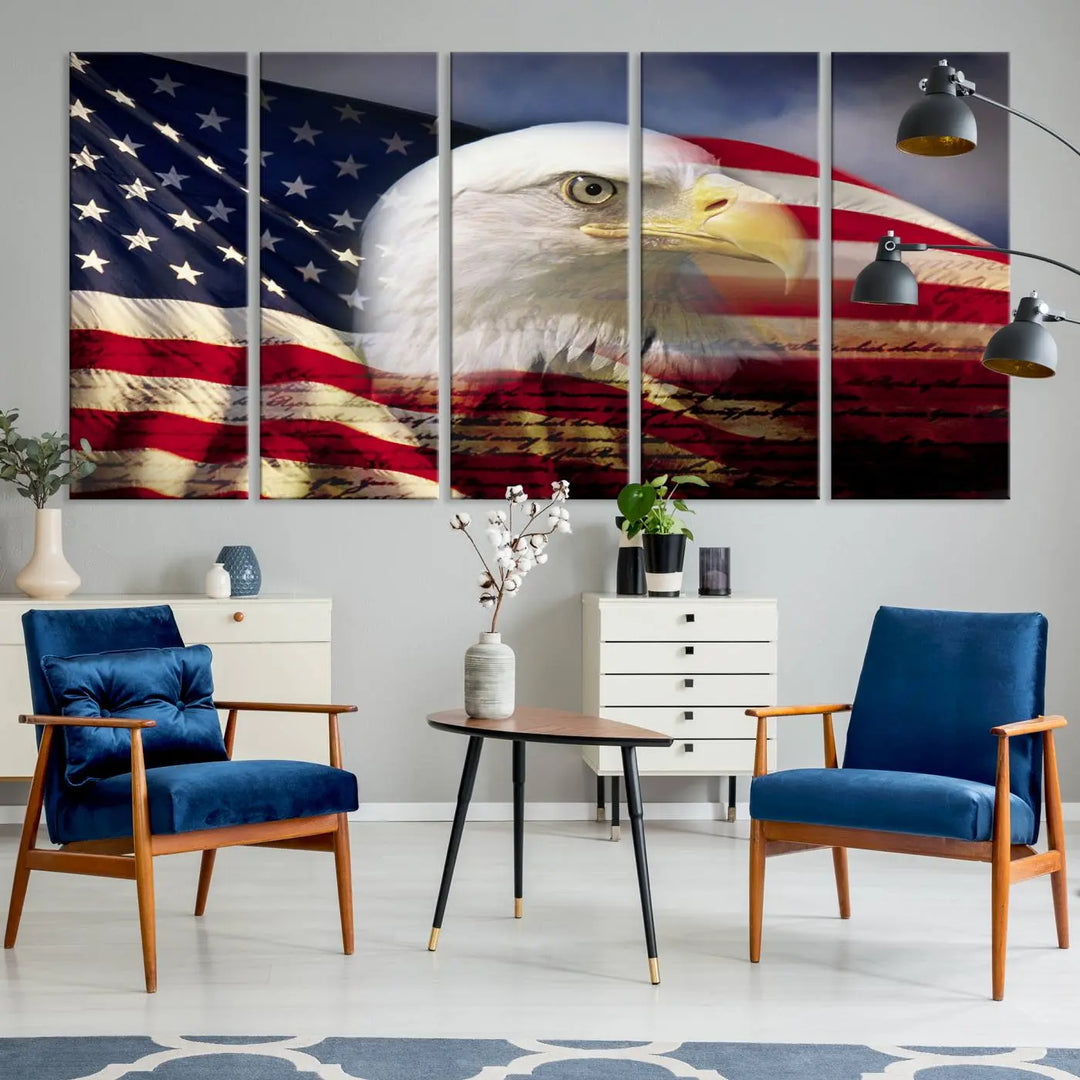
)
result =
(551, 811)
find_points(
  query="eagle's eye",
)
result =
(588, 190)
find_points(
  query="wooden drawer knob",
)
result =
(238, 616)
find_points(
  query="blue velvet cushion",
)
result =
(209, 795)
(173, 687)
(922, 804)
(933, 684)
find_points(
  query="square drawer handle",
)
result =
(690, 616)
(688, 683)
(688, 715)
(688, 650)
(688, 748)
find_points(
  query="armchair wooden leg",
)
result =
(144, 861)
(1055, 830)
(28, 840)
(1000, 870)
(206, 871)
(343, 865)
(843, 895)
(757, 887)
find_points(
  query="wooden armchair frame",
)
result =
(132, 856)
(1010, 863)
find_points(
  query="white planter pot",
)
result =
(218, 582)
(48, 575)
(489, 678)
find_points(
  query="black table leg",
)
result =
(616, 799)
(465, 789)
(637, 827)
(519, 825)
(599, 798)
(731, 798)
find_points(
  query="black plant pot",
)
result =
(664, 555)
(630, 570)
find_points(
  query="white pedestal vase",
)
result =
(489, 678)
(48, 575)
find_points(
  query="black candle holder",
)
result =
(714, 571)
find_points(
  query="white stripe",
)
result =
(119, 392)
(283, 328)
(319, 401)
(180, 320)
(297, 480)
(159, 470)
(916, 340)
(938, 267)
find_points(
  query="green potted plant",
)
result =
(39, 466)
(653, 509)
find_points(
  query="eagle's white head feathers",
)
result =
(540, 221)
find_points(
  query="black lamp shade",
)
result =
(885, 281)
(941, 125)
(1025, 350)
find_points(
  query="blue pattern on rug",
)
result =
(207, 1057)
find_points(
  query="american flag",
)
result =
(331, 424)
(158, 283)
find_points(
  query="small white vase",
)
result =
(48, 575)
(218, 582)
(489, 678)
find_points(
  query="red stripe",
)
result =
(485, 476)
(297, 363)
(557, 397)
(318, 442)
(196, 440)
(158, 357)
(736, 154)
(937, 303)
(856, 225)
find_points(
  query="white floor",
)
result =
(912, 966)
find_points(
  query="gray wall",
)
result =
(402, 584)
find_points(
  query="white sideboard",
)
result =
(687, 666)
(266, 648)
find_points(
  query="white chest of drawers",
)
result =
(277, 650)
(687, 666)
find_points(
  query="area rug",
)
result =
(292, 1058)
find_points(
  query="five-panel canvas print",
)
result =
(553, 217)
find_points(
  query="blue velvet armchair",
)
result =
(947, 754)
(132, 763)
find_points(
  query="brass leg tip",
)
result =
(519, 907)
(615, 832)
(600, 814)
(433, 941)
(654, 971)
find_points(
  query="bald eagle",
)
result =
(540, 220)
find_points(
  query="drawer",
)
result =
(690, 619)
(706, 657)
(693, 723)
(214, 621)
(709, 757)
(686, 691)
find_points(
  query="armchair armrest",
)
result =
(87, 721)
(281, 706)
(1028, 727)
(797, 710)
(764, 715)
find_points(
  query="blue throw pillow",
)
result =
(172, 686)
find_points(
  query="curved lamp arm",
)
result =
(987, 247)
(1017, 112)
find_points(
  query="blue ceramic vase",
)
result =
(243, 569)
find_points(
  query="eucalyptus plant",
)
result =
(651, 508)
(39, 466)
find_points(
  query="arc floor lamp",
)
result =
(943, 125)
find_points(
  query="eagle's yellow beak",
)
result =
(724, 217)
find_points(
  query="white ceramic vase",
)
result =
(48, 575)
(218, 582)
(489, 678)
